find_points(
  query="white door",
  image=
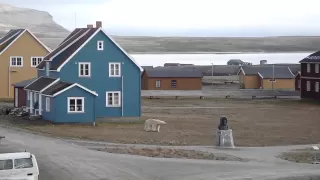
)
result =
(16, 96)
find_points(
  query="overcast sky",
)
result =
(187, 17)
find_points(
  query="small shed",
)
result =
(171, 78)
(20, 95)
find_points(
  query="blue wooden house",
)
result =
(87, 76)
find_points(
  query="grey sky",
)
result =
(186, 17)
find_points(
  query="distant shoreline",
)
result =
(141, 53)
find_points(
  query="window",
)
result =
(75, 104)
(6, 164)
(308, 68)
(35, 61)
(16, 61)
(317, 87)
(317, 68)
(84, 69)
(158, 83)
(113, 99)
(173, 83)
(23, 163)
(47, 104)
(114, 70)
(272, 80)
(100, 45)
(308, 86)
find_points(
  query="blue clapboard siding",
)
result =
(100, 80)
(60, 113)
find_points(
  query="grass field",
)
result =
(191, 122)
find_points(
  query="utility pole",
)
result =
(212, 73)
(272, 76)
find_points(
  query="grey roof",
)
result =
(24, 83)
(7, 39)
(314, 57)
(280, 72)
(163, 72)
(147, 67)
(59, 86)
(40, 83)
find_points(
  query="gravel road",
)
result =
(60, 159)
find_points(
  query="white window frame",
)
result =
(308, 85)
(316, 87)
(37, 58)
(47, 104)
(75, 99)
(107, 100)
(16, 57)
(308, 68)
(100, 45)
(158, 83)
(317, 68)
(114, 74)
(89, 70)
(172, 83)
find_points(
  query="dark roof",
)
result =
(40, 83)
(163, 72)
(83, 35)
(9, 37)
(60, 85)
(280, 72)
(24, 83)
(71, 34)
(314, 57)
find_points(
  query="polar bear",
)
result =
(153, 125)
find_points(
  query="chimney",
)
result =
(90, 26)
(98, 24)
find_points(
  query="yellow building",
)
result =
(266, 77)
(20, 53)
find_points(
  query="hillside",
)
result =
(41, 23)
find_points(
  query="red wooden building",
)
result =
(20, 95)
(310, 76)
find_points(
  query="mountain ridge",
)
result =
(41, 23)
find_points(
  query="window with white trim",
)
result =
(158, 83)
(317, 68)
(16, 61)
(317, 87)
(35, 61)
(84, 69)
(308, 86)
(113, 99)
(100, 45)
(114, 70)
(308, 68)
(47, 104)
(75, 104)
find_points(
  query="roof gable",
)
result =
(314, 57)
(13, 35)
(87, 40)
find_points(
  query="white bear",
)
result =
(153, 125)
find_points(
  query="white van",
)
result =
(21, 165)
